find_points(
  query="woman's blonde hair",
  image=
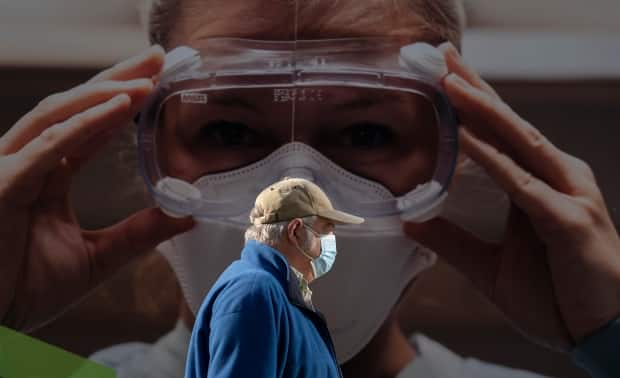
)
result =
(437, 20)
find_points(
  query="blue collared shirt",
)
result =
(252, 324)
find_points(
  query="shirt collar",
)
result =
(299, 289)
(272, 261)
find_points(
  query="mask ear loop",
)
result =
(306, 255)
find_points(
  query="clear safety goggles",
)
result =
(356, 102)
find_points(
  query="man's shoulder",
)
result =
(251, 278)
(245, 288)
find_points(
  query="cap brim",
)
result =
(340, 217)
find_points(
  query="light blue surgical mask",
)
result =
(324, 263)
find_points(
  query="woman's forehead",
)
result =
(286, 20)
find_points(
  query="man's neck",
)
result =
(306, 271)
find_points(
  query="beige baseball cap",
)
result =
(293, 198)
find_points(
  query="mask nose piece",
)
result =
(299, 172)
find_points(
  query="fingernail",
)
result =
(457, 80)
(444, 46)
(449, 48)
(121, 99)
(156, 47)
(149, 52)
(152, 49)
(157, 50)
(454, 54)
(141, 83)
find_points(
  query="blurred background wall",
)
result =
(556, 62)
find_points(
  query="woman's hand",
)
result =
(47, 262)
(556, 275)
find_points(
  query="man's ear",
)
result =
(293, 231)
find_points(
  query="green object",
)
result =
(22, 356)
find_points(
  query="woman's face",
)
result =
(387, 137)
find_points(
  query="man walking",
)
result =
(258, 320)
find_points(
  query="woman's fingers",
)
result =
(112, 248)
(83, 153)
(474, 258)
(62, 106)
(133, 77)
(487, 115)
(531, 194)
(46, 150)
(456, 65)
(568, 170)
(146, 65)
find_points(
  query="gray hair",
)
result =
(443, 18)
(159, 17)
(273, 233)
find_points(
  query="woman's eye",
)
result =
(367, 135)
(228, 133)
